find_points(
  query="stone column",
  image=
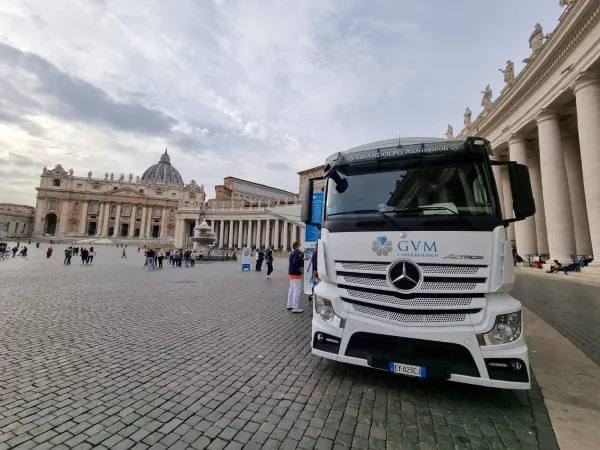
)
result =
(40, 207)
(559, 222)
(100, 220)
(83, 219)
(117, 219)
(230, 241)
(524, 229)
(276, 237)
(176, 233)
(149, 221)
(535, 175)
(581, 226)
(240, 244)
(132, 222)
(498, 179)
(63, 212)
(508, 211)
(258, 233)
(221, 232)
(106, 218)
(143, 222)
(267, 233)
(286, 241)
(250, 240)
(587, 93)
(163, 222)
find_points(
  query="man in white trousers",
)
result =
(295, 274)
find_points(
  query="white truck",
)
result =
(415, 264)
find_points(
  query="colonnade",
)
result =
(238, 233)
(564, 170)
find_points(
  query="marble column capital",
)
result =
(546, 114)
(585, 79)
(515, 138)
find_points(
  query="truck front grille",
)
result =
(417, 318)
(447, 295)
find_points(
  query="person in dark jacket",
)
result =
(269, 262)
(295, 272)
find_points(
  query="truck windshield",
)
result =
(424, 187)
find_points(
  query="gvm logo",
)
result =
(417, 246)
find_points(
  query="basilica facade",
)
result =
(159, 205)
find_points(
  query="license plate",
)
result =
(408, 370)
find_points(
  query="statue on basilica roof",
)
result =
(137, 179)
(112, 177)
(122, 177)
(467, 117)
(130, 177)
(90, 174)
(106, 176)
(536, 39)
(486, 101)
(70, 172)
(509, 72)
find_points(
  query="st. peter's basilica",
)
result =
(160, 205)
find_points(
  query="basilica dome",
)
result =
(163, 171)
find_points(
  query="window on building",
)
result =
(56, 182)
(141, 191)
(52, 205)
(79, 186)
(115, 188)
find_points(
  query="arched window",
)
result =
(157, 211)
(95, 208)
(52, 205)
(139, 211)
(113, 209)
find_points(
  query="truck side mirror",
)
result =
(307, 195)
(522, 195)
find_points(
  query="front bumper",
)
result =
(450, 353)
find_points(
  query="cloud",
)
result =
(247, 88)
(73, 99)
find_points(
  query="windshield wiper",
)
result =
(456, 215)
(425, 208)
(369, 211)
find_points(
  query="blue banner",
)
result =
(317, 207)
(312, 233)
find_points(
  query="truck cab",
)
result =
(415, 264)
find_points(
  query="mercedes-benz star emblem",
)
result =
(405, 276)
(403, 235)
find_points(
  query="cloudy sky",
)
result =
(257, 89)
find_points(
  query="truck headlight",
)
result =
(324, 309)
(507, 328)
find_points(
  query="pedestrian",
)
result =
(68, 255)
(260, 257)
(91, 255)
(161, 255)
(84, 255)
(124, 254)
(295, 272)
(269, 262)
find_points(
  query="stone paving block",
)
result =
(264, 389)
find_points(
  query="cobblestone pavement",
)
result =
(111, 356)
(572, 308)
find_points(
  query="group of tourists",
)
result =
(6, 251)
(87, 255)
